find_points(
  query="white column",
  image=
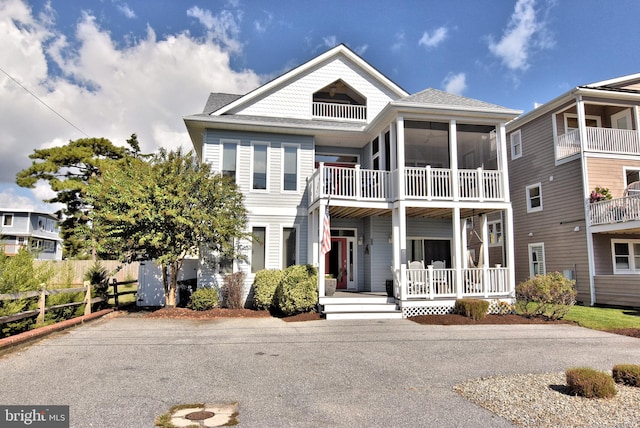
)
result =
(453, 150)
(312, 239)
(507, 238)
(321, 266)
(464, 244)
(636, 120)
(485, 255)
(399, 235)
(400, 158)
(501, 135)
(394, 158)
(457, 251)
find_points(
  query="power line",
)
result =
(43, 103)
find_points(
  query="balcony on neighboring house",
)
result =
(599, 140)
(423, 183)
(615, 211)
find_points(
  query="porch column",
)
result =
(400, 159)
(321, 266)
(457, 252)
(502, 145)
(399, 236)
(393, 136)
(485, 255)
(453, 150)
(312, 238)
(636, 121)
(464, 244)
(507, 238)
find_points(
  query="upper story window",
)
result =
(375, 153)
(339, 101)
(516, 144)
(7, 220)
(571, 121)
(259, 173)
(229, 159)
(290, 168)
(534, 198)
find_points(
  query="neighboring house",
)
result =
(403, 176)
(560, 152)
(33, 229)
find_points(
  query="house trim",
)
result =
(531, 209)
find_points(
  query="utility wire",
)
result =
(43, 103)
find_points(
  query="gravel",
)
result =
(540, 400)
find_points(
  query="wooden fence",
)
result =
(42, 300)
(75, 269)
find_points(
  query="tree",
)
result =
(68, 169)
(165, 209)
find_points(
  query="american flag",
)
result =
(326, 236)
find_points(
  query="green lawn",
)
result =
(127, 298)
(604, 318)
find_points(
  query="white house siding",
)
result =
(294, 100)
(274, 208)
(562, 202)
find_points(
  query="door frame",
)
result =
(350, 242)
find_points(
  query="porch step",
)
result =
(372, 309)
(363, 315)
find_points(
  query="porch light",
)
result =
(360, 240)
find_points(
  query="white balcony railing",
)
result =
(339, 111)
(603, 140)
(617, 210)
(433, 283)
(350, 183)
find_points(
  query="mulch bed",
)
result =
(184, 313)
(454, 319)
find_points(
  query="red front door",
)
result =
(335, 261)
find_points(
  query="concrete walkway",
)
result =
(123, 372)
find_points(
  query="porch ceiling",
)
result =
(416, 212)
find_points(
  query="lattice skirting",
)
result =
(496, 306)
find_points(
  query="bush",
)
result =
(204, 299)
(233, 290)
(298, 290)
(590, 383)
(475, 309)
(550, 296)
(98, 278)
(627, 374)
(264, 287)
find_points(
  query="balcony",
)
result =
(612, 211)
(419, 183)
(602, 140)
(322, 110)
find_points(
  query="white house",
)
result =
(405, 179)
(37, 230)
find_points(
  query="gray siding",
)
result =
(380, 257)
(563, 207)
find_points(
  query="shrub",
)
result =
(550, 296)
(233, 290)
(98, 278)
(503, 308)
(297, 291)
(264, 287)
(472, 308)
(627, 374)
(590, 383)
(204, 299)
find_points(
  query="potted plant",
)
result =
(330, 284)
(599, 194)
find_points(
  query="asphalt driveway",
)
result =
(123, 372)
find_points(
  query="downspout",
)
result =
(585, 195)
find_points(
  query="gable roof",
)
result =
(437, 97)
(340, 50)
(218, 100)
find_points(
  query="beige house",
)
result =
(560, 153)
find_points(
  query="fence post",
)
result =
(115, 292)
(87, 299)
(42, 304)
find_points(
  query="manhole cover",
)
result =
(199, 416)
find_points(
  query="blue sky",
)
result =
(112, 67)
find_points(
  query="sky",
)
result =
(111, 68)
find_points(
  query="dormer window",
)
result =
(339, 101)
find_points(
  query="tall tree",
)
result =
(165, 209)
(67, 169)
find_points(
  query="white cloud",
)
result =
(330, 42)
(434, 39)
(145, 87)
(360, 50)
(262, 25)
(455, 83)
(399, 42)
(223, 28)
(525, 33)
(126, 10)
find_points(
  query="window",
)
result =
(536, 260)
(534, 198)
(288, 247)
(259, 175)
(516, 144)
(495, 233)
(36, 244)
(290, 168)
(258, 246)
(48, 246)
(631, 176)
(387, 151)
(375, 153)
(626, 256)
(229, 154)
(571, 121)
(7, 220)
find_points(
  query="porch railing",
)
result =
(436, 183)
(433, 283)
(617, 210)
(604, 140)
(339, 111)
(350, 183)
